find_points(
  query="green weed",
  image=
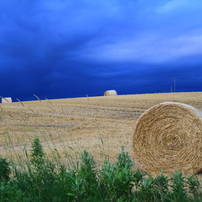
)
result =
(41, 180)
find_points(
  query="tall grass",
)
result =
(41, 179)
(63, 125)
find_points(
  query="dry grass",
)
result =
(101, 125)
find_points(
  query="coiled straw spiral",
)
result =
(168, 137)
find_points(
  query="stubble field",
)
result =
(65, 127)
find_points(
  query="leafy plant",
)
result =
(194, 188)
(179, 192)
(10, 192)
(43, 181)
(5, 170)
(84, 183)
(37, 156)
(161, 187)
(117, 179)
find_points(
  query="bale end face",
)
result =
(168, 136)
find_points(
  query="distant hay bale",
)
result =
(110, 92)
(6, 99)
(168, 137)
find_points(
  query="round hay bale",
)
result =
(6, 99)
(168, 137)
(110, 92)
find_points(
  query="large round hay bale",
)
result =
(168, 137)
(110, 92)
(6, 99)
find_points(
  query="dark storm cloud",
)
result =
(61, 48)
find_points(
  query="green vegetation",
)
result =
(41, 180)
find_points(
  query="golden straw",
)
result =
(168, 137)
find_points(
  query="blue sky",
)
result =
(62, 49)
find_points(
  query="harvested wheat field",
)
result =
(100, 125)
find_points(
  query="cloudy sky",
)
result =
(70, 48)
